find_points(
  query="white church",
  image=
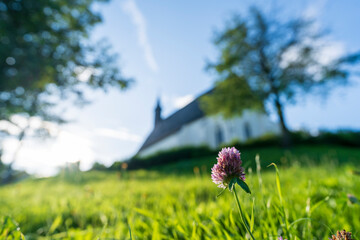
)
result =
(189, 126)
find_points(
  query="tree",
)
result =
(45, 56)
(264, 61)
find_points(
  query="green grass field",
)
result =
(179, 201)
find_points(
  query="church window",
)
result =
(247, 130)
(219, 137)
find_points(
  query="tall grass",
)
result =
(311, 204)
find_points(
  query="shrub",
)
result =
(341, 138)
(165, 157)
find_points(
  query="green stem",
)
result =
(241, 213)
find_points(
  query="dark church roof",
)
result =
(174, 122)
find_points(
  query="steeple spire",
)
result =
(158, 118)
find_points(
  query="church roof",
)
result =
(174, 122)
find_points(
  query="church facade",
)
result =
(190, 126)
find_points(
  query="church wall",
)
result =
(209, 130)
(166, 143)
(193, 134)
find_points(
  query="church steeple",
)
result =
(158, 118)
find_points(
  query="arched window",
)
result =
(219, 137)
(247, 130)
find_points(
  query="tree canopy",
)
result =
(46, 56)
(266, 61)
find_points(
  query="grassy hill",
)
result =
(179, 201)
(304, 155)
(340, 146)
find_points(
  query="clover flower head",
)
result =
(281, 238)
(341, 235)
(228, 166)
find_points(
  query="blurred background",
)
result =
(164, 50)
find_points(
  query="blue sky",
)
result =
(164, 46)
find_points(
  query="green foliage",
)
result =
(338, 138)
(98, 167)
(10, 230)
(281, 211)
(167, 206)
(165, 157)
(341, 138)
(243, 185)
(231, 97)
(270, 145)
(44, 50)
(239, 182)
(232, 183)
(306, 155)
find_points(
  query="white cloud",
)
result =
(45, 157)
(18, 123)
(122, 134)
(328, 50)
(331, 51)
(84, 73)
(181, 102)
(9, 127)
(139, 21)
(314, 9)
(171, 103)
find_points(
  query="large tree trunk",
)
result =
(286, 139)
